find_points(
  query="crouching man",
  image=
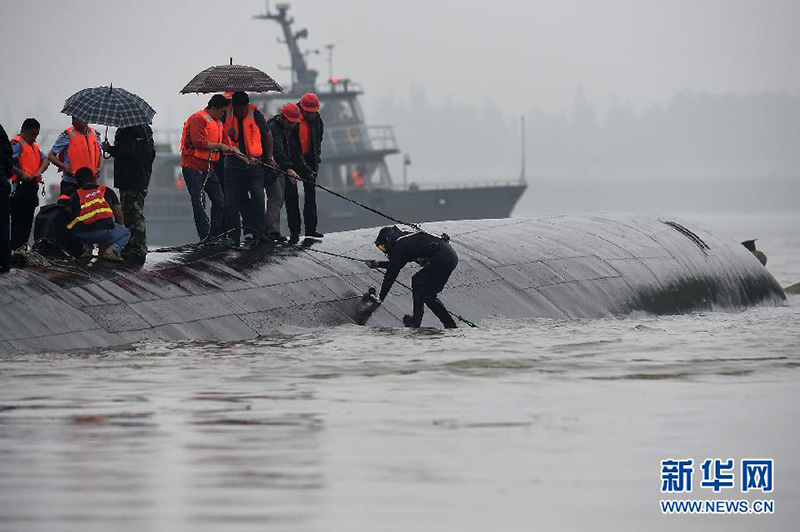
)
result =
(98, 218)
(438, 260)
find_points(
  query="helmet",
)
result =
(387, 237)
(309, 102)
(291, 112)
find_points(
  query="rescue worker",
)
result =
(281, 126)
(98, 218)
(202, 141)
(133, 152)
(306, 156)
(6, 170)
(29, 165)
(76, 147)
(438, 260)
(247, 129)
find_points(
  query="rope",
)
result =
(451, 313)
(314, 183)
(203, 189)
(208, 241)
(37, 260)
(461, 318)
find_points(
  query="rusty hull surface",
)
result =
(562, 267)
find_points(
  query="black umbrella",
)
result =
(109, 107)
(231, 78)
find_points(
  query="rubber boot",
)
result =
(438, 308)
(415, 320)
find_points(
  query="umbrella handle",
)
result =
(106, 155)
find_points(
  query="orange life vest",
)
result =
(213, 134)
(357, 179)
(252, 133)
(83, 150)
(94, 207)
(29, 159)
(305, 136)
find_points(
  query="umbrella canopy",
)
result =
(231, 78)
(109, 107)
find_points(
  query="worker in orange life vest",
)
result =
(202, 141)
(246, 129)
(97, 218)
(29, 165)
(76, 147)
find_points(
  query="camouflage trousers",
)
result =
(133, 212)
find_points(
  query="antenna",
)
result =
(330, 48)
(303, 78)
(522, 127)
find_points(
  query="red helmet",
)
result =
(309, 102)
(291, 112)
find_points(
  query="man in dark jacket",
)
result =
(281, 127)
(5, 191)
(438, 260)
(306, 156)
(133, 152)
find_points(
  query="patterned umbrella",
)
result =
(231, 78)
(109, 106)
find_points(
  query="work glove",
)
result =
(371, 295)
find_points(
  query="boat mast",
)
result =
(305, 77)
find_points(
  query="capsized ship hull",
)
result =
(562, 267)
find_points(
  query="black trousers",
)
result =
(22, 209)
(5, 240)
(310, 199)
(244, 196)
(292, 200)
(310, 207)
(429, 281)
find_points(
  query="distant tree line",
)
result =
(694, 132)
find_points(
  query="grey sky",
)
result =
(526, 54)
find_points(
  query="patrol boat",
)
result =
(353, 164)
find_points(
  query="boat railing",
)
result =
(508, 183)
(338, 141)
(357, 139)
